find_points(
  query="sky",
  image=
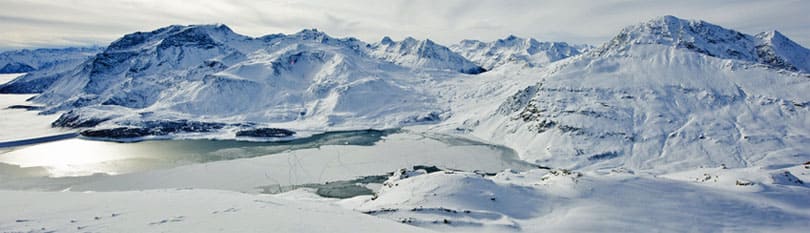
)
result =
(52, 23)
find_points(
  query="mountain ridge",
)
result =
(513, 49)
(596, 108)
(422, 54)
(177, 73)
(710, 39)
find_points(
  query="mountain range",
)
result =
(44, 63)
(668, 93)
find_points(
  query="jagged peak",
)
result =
(409, 40)
(778, 50)
(774, 36)
(273, 36)
(777, 34)
(769, 48)
(171, 29)
(173, 34)
(207, 27)
(407, 43)
(669, 19)
(470, 41)
(669, 25)
(319, 36)
(511, 38)
(696, 35)
(429, 42)
(422, 53)
(311, 33)
(514, 49)
(386, 40)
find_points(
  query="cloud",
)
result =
(45, 23)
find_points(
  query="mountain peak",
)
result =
(386, 40)
(695, 35)
(311, 34)
(429, 42)
(769, 48)
(207, 27)
(409, 40)
(512, 37)
(411, 52)
(773, 35)
(175, 35)
(669, 19)
(514, 49)
(777, 49)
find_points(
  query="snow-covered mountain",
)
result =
(770, 48)
(422, 54)
(513, 49)
(26, 60)
(208, 73)
(43, 65)
(667, 94)
(773, 47)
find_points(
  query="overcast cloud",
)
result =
(49, 23)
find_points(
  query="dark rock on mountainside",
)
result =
(265, 133)
(155, 128)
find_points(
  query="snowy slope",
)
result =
(659, 96)
(566, 201)
(513, 49)
(423, 54)
(43, 66)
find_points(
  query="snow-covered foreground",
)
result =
(178, 211)
(226, 195)
(707, 200)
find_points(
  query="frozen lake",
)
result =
(79, 157)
